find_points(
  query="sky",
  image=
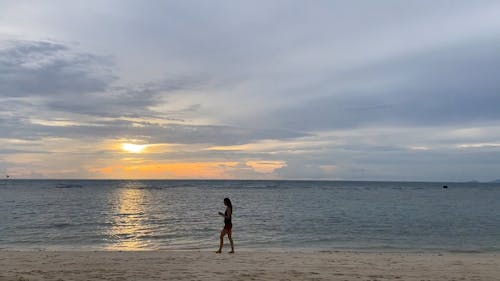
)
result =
(324, 90)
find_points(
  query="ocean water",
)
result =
(275, 215)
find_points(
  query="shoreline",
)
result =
(261, 250)
(246, 265)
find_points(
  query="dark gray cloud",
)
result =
(49, 81)
(41, 68)
(63, 80)
(133, 101)
(20, 151)
(154, 133)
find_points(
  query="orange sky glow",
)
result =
(212, 170)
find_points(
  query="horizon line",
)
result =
(228, 179)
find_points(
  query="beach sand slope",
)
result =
(203, 265)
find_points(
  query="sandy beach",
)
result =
(202, 265)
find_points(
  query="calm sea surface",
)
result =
(304, 215)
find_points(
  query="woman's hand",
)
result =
(220, 213)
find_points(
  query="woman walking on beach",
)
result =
(228, 225)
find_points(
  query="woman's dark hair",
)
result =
(228, 203)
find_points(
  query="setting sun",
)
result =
(133, 148)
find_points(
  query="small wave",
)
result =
(129, 214)
(60, 225)
(473, 251)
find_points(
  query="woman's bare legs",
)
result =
(221, 242)
(231, 240)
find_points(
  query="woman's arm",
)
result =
(229, 211)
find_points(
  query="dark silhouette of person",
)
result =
(228, 225)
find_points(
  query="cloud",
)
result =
(59, 80)
(151, 133)
(266, 167)
(135, 101)
(42, 68)
(479, 145)
(53, 91)
(454, 84)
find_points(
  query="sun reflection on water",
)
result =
(129, 226)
